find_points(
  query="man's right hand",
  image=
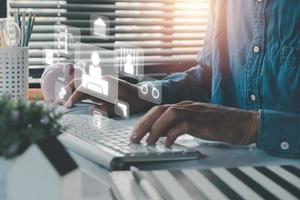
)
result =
(127, 93)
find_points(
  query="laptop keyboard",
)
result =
(114, 136)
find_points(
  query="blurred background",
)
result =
(171, 32)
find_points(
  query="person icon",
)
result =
(129, 66)
(95, 69)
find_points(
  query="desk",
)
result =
(217, 155)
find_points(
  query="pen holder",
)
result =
(14, 73)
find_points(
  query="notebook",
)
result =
(266, 182)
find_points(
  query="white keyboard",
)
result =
(109, 145)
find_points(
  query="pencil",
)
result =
(23, 30)
(31, 29)
(28, 27)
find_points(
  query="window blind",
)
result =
(171, 32)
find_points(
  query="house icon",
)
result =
(44, 171)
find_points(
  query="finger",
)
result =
(165, 122)
(145, 124)
(175, 132)
(73, 84)
(185, 103)
(75, 97)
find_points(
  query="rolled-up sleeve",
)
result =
(279, 133)
(194, 84)
(191, 85)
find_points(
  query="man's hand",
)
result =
(127, 93)
(206, 121)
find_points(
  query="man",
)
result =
(248, 72)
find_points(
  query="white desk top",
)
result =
(217, 155)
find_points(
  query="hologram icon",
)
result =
(129, 60)
(122, 109)
(94, 68)
(66, 41)
(94, 84)
(49, 56)
(97, 119)
(62, 93)
(100, 27)
(95, 58)
(146, 87)
(92, 80)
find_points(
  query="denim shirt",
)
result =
(250, 60)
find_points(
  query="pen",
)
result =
(28, 27)
(145, 185)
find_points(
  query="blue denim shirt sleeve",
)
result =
(279, 133)
(195, 83)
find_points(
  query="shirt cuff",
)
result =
(167, 90)
(279, 133)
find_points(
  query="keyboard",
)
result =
(109, 145)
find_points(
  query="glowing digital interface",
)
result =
(150, 91)
(97, 119)
(122, 109)
(100, 28)
(96, 71)
(62, 92)
(63, 47)
(130, 61)
(49, 56)
(66, 41)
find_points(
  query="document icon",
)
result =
(97, 119)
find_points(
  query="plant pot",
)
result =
(4, 167)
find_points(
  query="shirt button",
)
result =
(256, 49)
(284, 145)
(253, 97)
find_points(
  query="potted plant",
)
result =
(22, 124)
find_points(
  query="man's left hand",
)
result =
(205, 121)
